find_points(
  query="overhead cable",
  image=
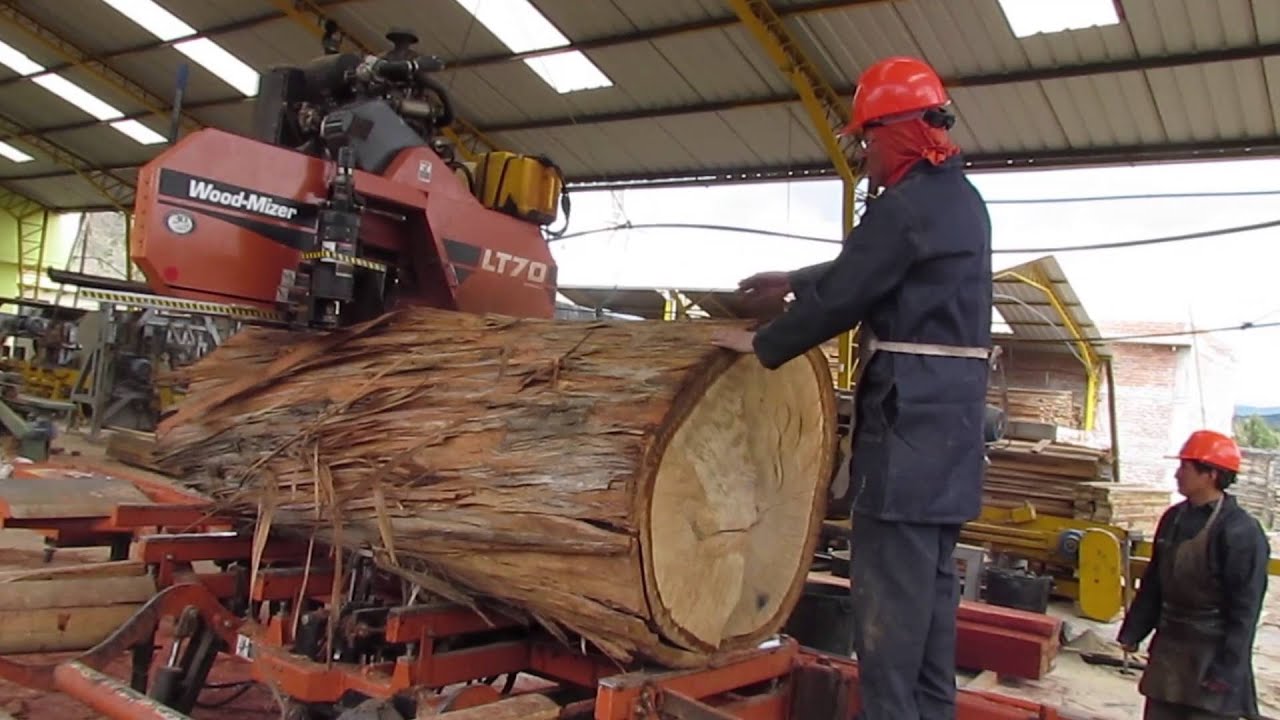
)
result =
(999, 251)
(1153, 336)
(1139, 196)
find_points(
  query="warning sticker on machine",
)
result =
(205, 190)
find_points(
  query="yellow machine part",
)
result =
(52, 383)
(1100, 594)
(524, 186)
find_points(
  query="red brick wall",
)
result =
(1159, 395)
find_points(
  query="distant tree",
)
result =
(1254, 432)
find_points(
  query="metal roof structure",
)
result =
(1038, 305)
(695, 95)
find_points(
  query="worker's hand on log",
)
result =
(765, 286)
(734, 339)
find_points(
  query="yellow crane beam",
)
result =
(827, 113)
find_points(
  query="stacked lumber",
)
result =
(625, 482)
(1130, 506)
(69, 608)
(1007, 641)
(1045, 474)
(134, 448)
(1051, 407)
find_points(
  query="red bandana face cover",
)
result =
(900, 145)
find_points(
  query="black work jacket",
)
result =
(917, 268)
(1238, 554)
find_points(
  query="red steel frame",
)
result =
(728, 690)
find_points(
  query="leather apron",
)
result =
(1191, 626)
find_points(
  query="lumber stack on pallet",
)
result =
(69, 608)
(1133, 507)
(1046, 474)
(626, 482)
(1052, 407)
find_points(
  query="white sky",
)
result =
(1214, 281)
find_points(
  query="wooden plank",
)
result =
(522, 707)
(116, 568)
(60, 629)
(76, 592)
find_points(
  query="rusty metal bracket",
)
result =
(675, 706)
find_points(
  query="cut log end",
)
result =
(734, 503)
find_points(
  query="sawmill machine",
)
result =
(348, 200)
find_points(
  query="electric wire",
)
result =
(1139, 196)
(1152, 336)
(1236, 229)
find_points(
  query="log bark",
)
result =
(624, 481)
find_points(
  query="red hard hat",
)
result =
(1211, 448)
(894, 86)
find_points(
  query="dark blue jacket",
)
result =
(917, 268)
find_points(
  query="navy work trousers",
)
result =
(905, 596)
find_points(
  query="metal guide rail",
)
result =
(142, 300)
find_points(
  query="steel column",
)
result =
(33, 228)
(311, 16)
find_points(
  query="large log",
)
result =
(625, 481)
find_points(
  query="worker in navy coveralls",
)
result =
(916, 273)
(1202, 594)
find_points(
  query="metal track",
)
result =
(141, 300)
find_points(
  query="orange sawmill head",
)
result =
(220, 217)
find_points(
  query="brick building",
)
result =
(1166, 388)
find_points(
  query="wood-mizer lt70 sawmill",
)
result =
(345, 204)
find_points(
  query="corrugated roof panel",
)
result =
(763, 131)
(852, 39)
(475, 97)
(657, 13)
(1266, 19)
(525, 89)
(645, 75)
(57, 193)
(443, 27)
(40, 163)
(33, 106)
(1271, 67)
(711, 142)
(157, 71)
(237, 117)
(92, 25)
(722, 65)
(106, 147)
(604, 19)
(202, 14)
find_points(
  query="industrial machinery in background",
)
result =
(127, 354)
(39, 341)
